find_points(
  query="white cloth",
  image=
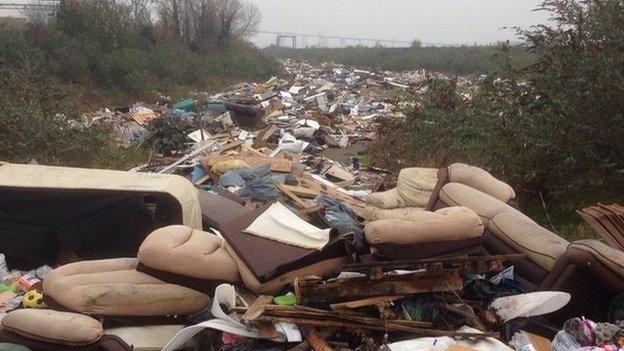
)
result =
(444, 342)
(279, 224)
(530, 304)
(225, 295)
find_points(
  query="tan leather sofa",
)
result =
(593, 273)
(43, 329)
(188, 257)
(507, 230)
(473, 177)
(451, 230)
(413, 190)
(113, 287)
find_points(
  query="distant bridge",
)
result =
(323, 40)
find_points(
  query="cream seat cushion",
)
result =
(517, 230)
(53, 326)
(113, 287)
(414, 188)
(371, 213)
(609, 256)
(389, 199)
(480, 179)
(447, 224)
(189, 252)
(486, 206)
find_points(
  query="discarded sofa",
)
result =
(49, 330)
(188, 257)
(448, 231)
(412, 193)
(113, 287)
(53, 215)
(473, 177)
(593, 273)
(507, 230)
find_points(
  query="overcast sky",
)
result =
(432, 21)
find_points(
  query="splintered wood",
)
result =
(314, 317)
(606, 220)
(314, 291)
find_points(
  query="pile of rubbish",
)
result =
(259, 224)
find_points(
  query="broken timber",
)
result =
(315, 291)
(466, 264)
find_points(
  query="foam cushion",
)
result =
(607, 255)
(189, 252)
(525, 236)
(113, 287)
(451, 223)
(386, 199)
(217, 209)
(416, 185)
(53, 326)
(480, 179)
(371, 213)
(267, 259)
(275, 285)
(486, 206)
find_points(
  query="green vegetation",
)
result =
(97, 52)
(552, 129)
(461, 60)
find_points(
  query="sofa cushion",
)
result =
(276, 284)
(480, 179)
(188, 252)
(386, 199)
(610, 257)
(451, 223)
(217, 209)
(113, 287)
(486, 206)
(416, 185)
(371, 213)
(524, 235)
(53, 326)
(268, 259)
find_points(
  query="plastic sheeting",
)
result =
(343, 219)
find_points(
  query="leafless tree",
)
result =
(208, 24)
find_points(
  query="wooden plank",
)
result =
(298, 169)
(301, 191)
(231, 145)
(191, 155)
(202, 180)
(339, 172)
(253, 151)
(257, 307)
(313, 292)
(277, 164)
(272, 129)
(291, 195)
(317, 343)
(456, 261)
(366, 302)
(385, 325)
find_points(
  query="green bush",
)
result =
(458, 60)
(552, 129)
(45, 71)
